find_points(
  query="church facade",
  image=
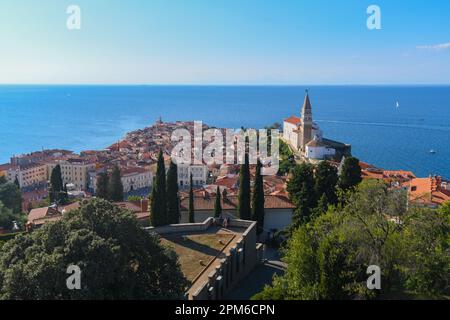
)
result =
(305, 136)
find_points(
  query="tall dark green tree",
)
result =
(115, 185)
(244, 209)
(301, 192)
(350, 175)
(173, 202)
(16, 182)
(102, 186)
(158, 197)
(218, 204)
(326, 179)
(258, 199)
(191, 201)
(56, 185)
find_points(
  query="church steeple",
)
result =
(306, 134)
(307, 109)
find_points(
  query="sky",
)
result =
(245, 42)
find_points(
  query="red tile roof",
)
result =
(41, 215)
(293, 120)
(427, 191)
(231, 202)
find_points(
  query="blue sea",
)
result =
(93, 117)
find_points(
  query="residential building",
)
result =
(430, 192)
(73, 171)
(28, 175)
(199, 175)
(278, 210)
(136, 178)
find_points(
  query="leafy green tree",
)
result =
(102, 186)
(117, 258)
(350, 175)
(218, 204)
(7, 217)
(301, 192)
(191, 212)
(243, 208)
(56, 185)
(173, 201)
(328, 257)
(326, 179)
(115, 185)
(158, 197)
(3, 180)
(426, 246)
(258, 199)
(11, 197)
(287, 159)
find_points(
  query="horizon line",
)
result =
(227, 84)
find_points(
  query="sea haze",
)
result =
(93, 117)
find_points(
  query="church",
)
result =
(305, 136)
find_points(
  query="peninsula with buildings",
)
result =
(238, 243)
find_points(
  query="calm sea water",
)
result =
(93, 117)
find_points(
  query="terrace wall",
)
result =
(239, 261)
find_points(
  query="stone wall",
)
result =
(238, 263)
(183, 227)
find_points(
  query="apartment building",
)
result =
(136, 178)
(73, 171)
(28, 175)
(199, 174)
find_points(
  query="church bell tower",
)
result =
(307, 122)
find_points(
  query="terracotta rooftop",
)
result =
(293, 120)
(231, 202)
(427, 191)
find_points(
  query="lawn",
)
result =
(195, 252)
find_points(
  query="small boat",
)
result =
(397, 105)
(432, 151)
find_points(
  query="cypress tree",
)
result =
(218, 204)
(258, 199)
(158, 197)
(64, 195)
(301, 192)
(56, 184)
(17, 183)
(244, 211)
(326, 179)
(191, 202)
(351, 174)
(102, 186)
(173, 208)
(115, 185)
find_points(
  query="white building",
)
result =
(73, 171)
(299, 131)
(199, 174)
(316, 149)
(136, 178)
(306, 138)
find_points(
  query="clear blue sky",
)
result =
(225, 42)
